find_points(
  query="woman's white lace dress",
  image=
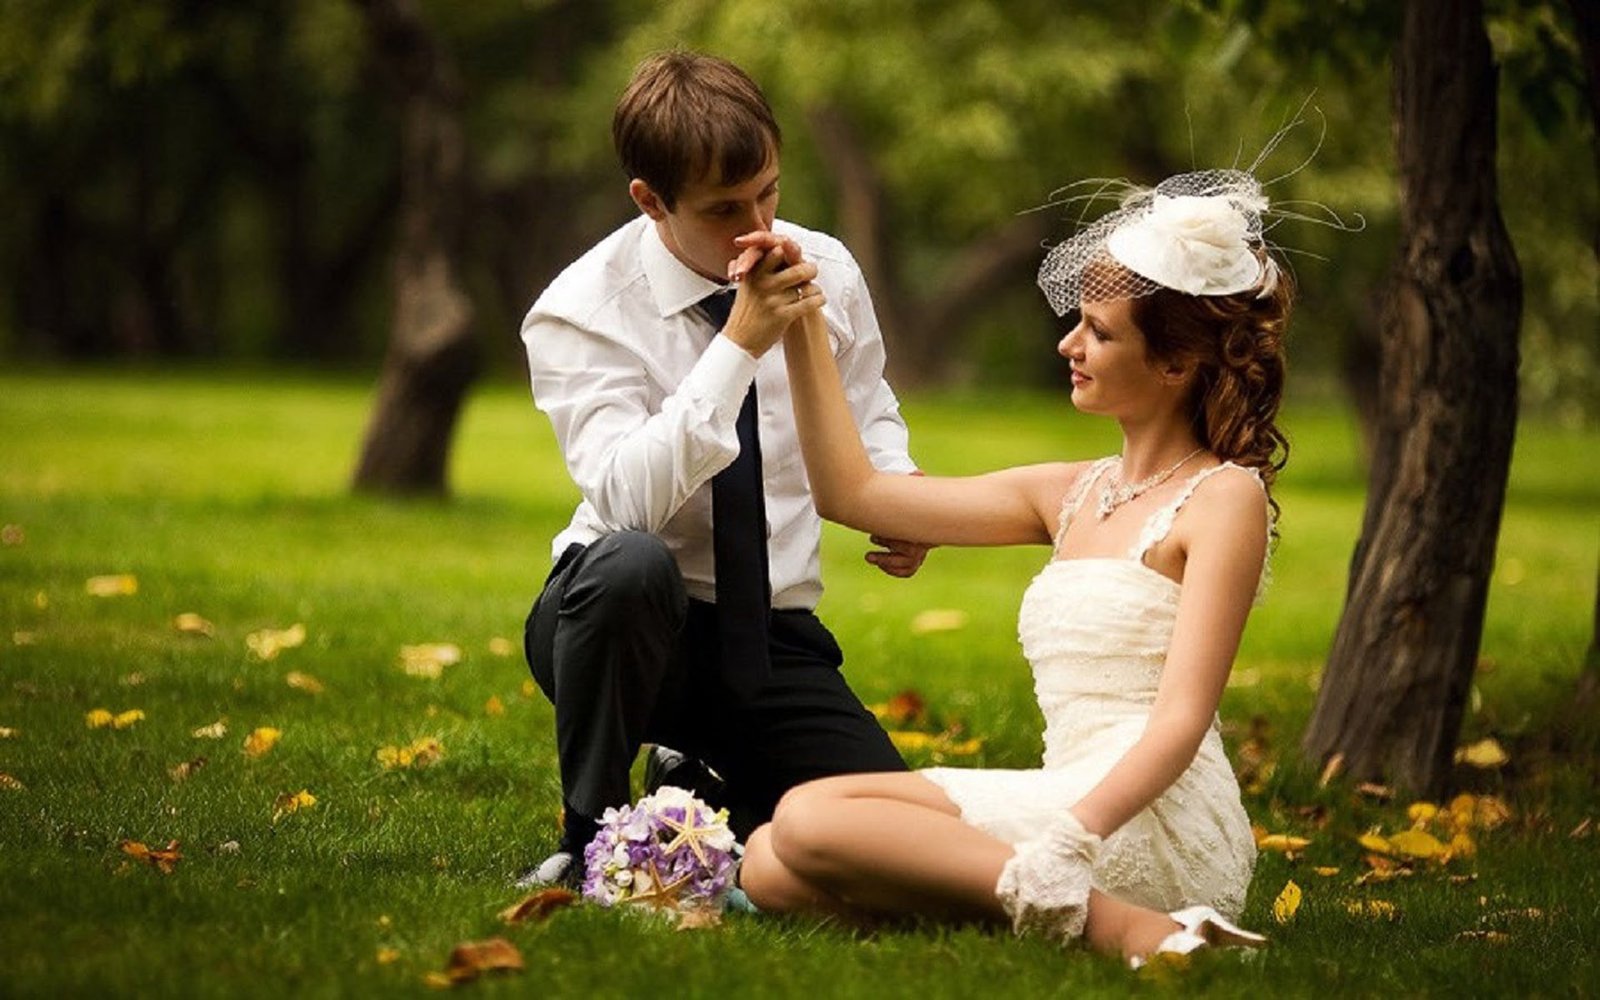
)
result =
(1095, 632)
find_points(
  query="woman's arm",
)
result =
(1009, 507)
(1225, 545)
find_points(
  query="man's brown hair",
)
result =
(687, 116)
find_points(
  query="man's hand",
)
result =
(896, 557)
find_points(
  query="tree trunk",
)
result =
(920, 329)
(1401, 665)
(431, 358)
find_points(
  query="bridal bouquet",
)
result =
(669, 851)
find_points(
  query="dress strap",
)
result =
(1159, 524)
(1073, 499)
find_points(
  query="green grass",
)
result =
(225, 495)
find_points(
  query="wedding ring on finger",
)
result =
(799, 292)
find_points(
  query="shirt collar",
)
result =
(673, 284)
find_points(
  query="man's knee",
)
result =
(629, 573)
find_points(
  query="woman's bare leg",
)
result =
(895, 843)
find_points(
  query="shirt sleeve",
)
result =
(872, 402)
(634, 463)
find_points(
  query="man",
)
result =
(679, 609)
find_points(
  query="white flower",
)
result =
(1191, 243)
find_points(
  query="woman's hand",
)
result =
(773, 293)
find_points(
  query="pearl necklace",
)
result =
(1114, 494)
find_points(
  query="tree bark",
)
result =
(1401, 666)
(920, 329)
(431, 358)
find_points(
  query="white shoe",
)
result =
(1201, 927)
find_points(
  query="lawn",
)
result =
(224, 496)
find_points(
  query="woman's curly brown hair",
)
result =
(1235, 343)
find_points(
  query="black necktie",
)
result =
(739, 542)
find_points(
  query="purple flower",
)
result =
(670, 851)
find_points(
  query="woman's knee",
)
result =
(802, 829)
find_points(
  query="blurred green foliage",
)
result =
(218, 180)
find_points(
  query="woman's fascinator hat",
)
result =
(1200, 233)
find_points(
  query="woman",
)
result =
(1131, 628)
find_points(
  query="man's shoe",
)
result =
(666, 766)
(563, 870)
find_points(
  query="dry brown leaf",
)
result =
(471, 959)
(905, 707)
(1373, 790)
(164, 859)
(186, 770)
(1488, 937)
(699, 918)
(1582, 829)
(494, 707)
(1331, 770)
(12, 534)
(10, 784)
(538, 906)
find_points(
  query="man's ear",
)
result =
(648, 201)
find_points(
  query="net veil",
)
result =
(1197, 232)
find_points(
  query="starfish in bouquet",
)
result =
(691, 832)
(662, 894)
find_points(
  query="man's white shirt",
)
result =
(643, 396)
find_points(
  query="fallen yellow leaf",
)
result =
(387, 956)
(501, 646)
(1373, 841)
(1325, 871)
(938, 620)
(267, 643)
(261, 740)
(494, 706)
(9, 783)
(1288, 901)
(1416, 844)
(216, 731)
(1420, 813)
(97, 718)
(125, 719)
(303, 682)
(529, 689)
(422, 752)
(12, 534)
(112, 585)
(428, 660)
(1283, 842)
(1378, 909)
(190, 623)
(1485, 754)
(7, 733)
(292, 802)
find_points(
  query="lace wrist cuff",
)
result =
(1045, 886)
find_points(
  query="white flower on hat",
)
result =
(1198, 244)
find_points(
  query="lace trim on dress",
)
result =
(1159, 524)
(1073, 499)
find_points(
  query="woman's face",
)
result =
(1111, 370)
